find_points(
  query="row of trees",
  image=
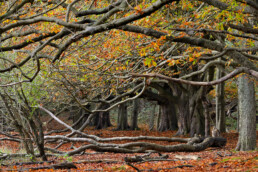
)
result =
(94, 56)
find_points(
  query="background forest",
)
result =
(70, 67)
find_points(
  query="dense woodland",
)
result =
(178, 65)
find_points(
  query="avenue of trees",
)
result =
(88, 57)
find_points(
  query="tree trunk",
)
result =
(238, 117)
(198, 112)
(159, 117)
(172, 117)
(19, 125)
(163, 122)
(183, 115)
(200, 123)
(247, 114)
(220, 104)
(103, 120)
(152, 117)
(38, 136)
(206, 116)
(134, 117)
(168, 119)
(122, 117)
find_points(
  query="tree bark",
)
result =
(220, 104)
(152, 117)
(102, 119)
(38, 134)
(195, 144)
(168, 119)
(122, 117)
(206, 115)
(247, 114)
(183, 115)
(134, 117)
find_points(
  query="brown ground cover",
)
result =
(212, 159)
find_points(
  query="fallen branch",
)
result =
(29, 163)
(159, 169)
(195, 144)
(131, 165)
(97, 161)
(65, 165)
(145, 158)
(186, 157)
(10, 139)
(19, 155)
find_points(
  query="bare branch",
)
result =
(178, 80)
(204, 68)
(91, 30)
(99, 11)
(244, 29)
(15, 9)
(27, 42)
(69, 9)
(216, 31)
(41, 19)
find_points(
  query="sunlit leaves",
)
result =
(250, 43)
(149, 62)
(172, 62)
(187, 5)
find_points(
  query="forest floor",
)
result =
(211, 159)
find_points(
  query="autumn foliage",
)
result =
(92, 60)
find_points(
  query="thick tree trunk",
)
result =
(200, 123)
(163, 122)
(199, 112)
(247, 114)
(220, 104)
(152, 117)
(122, 117)
(168, 119)
(103, 120)
(206, 116)
(134, 117)
(158, 118)
(183, 116)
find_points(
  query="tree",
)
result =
(122, 117)
(134, 116)
(247, 114)
(220, 104)
(23, 117)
